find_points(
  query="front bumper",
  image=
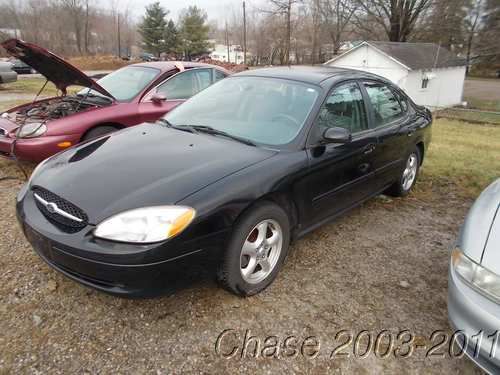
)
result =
(472, 313)
(120, 269)
(34, 149)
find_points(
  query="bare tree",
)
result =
(75, 10)
(472, 26)
(337, 16)
(397, 17)
(443, 24)
(487, 44)
(284, 8)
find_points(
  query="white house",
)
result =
(236, 55)
(429, 74)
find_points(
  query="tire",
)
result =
(99, 131)
(263, 255)
(408, 176)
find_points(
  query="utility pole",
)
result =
(288, 31)
(119, 39)
(227, 44)
(244, 34)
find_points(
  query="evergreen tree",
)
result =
(153, 29)
(194, 32)
(171, 38)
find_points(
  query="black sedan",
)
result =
(234, 174)
(21, 68)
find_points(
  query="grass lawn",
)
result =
(464, 115)
(466, 155)
(28, 86)
(10, 104)
(31, 86)
(485, 105)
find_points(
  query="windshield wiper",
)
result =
(183, 128)
(210, 130)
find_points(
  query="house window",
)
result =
(425, 82)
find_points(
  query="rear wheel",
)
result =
(98, 132)
(408, 176)
(256, 251)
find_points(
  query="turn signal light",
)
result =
(64, 144)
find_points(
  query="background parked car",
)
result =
(474, 282)
(21, 68)
(129, 96)
(7, 75)
(148, 57)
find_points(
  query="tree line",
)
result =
(311, 31)
(70, 27)
(278, 31)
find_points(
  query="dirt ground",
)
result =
(381, 267)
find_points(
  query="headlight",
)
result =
(146, 225)
(31, 130)
(481, 279)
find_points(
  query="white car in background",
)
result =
(7, 75)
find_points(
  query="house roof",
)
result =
(416, 56)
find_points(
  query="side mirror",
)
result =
(157, 98)
(337, 135)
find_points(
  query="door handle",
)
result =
(410, 132)
(369, 149)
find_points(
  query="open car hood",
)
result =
(54, 68)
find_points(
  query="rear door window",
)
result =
(219, 75)
(386, 107)
(180, 86)
(204, 78)
(344, 108)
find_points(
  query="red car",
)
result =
(129, 96)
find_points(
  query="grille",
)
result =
(64, 223)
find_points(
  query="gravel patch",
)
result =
(381, 267)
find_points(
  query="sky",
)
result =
(216, 9)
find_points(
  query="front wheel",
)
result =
(408, 176)
(256, 251)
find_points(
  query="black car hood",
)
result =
(52, 67)
(146, 165)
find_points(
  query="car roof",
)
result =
(308, 74)
(166, 66)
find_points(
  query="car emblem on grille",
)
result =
(53, 208)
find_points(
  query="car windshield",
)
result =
(124, 84)
(262, 110)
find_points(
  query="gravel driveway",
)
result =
(381, 267)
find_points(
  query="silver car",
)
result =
(7, 75)
(474, 282)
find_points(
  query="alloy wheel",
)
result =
(261, 251)
(410, 172)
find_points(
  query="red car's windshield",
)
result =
(124, 84)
